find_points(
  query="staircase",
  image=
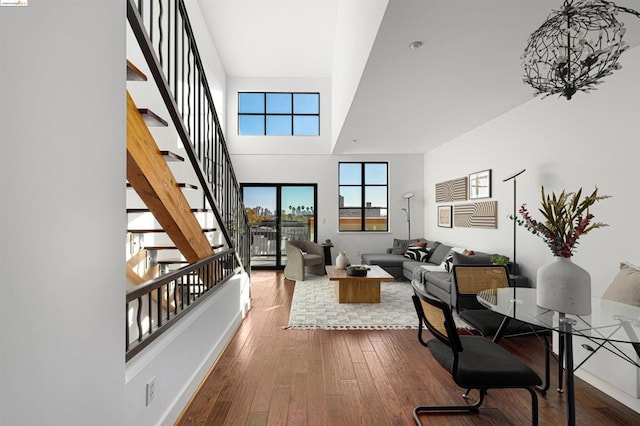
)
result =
(187, 226)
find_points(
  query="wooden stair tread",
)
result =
(151, 118)
(171, 156)
(179, 184)
(215, 246)
(160, 248)
(152, 230)
(145, 210)
(187, 186)
(171, 261)
(134, 73)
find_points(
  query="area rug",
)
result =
(314, 306)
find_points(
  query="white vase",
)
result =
(342, 260)
(563, 286)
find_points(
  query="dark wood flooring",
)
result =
(271, 376)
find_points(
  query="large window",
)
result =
(279, 114)
(363, 197)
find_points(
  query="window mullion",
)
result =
(265, 114)
(363, 215)
(293, 130)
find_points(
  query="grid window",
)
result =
(278, 114)
(363, 192)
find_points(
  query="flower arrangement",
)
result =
(567, 218)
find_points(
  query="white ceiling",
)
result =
(466, 73)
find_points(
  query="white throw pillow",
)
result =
(625, 287)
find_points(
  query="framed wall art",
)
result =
(445, 216)
(480, 184)
(480, 214)
(451, 190)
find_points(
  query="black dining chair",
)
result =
(468, 281)
(474, 362)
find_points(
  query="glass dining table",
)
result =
(609, 325)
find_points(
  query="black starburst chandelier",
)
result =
(575, 48)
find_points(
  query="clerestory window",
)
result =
(278, 114)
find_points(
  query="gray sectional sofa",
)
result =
(432, 272)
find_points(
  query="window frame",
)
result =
(265, 115)
(363, 185)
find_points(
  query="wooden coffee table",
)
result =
(358, 289)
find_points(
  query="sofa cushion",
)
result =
(439, 253)
(440, 279)
(383, 259)
(476, 259)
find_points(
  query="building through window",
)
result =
(363, 192)
(278, 114)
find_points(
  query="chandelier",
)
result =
(575, 48)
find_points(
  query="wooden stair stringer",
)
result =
(151, 177)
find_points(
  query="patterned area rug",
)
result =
(314, 305)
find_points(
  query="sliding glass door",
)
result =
(278, 213)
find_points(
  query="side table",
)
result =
(327, 253)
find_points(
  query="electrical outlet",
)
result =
(151, 391)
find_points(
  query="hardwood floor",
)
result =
(271, 376)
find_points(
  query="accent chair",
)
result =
(301, 256)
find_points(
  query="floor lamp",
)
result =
(514, 178)
(408, 196)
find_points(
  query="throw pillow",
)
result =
(399, 246)
(439, 253)
(625, 287)
(448, 260)
(418, 253)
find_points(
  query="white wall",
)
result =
(586, 142)
(356, 29)
(62, 228)
(62, 221)
(405, 175)
(183, 356)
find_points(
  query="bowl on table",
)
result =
(357, 271)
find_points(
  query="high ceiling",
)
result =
(466, 73)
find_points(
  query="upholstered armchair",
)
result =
(303, 255)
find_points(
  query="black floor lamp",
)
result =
(408, 196)
(514, 178)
